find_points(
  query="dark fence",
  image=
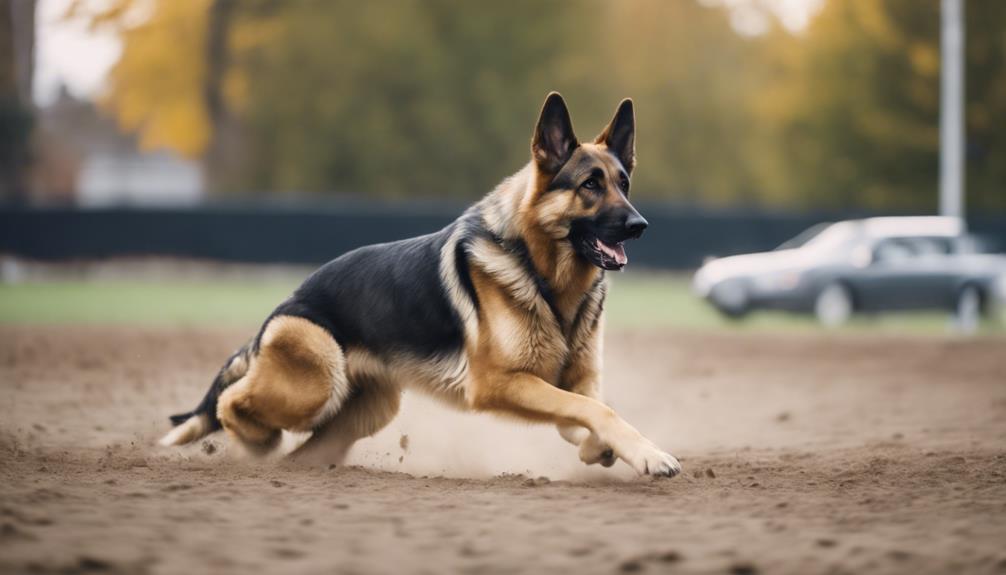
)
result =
(677, 238)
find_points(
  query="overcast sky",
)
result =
(67, 53)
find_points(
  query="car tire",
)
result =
(731, 299)
(833, 305)
(968, 309)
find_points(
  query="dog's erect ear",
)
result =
(620, 135)
(553, 141)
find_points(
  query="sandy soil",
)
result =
(803, 454)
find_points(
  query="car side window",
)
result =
(932, 247)
(893, 250)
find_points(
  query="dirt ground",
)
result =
(802, 454)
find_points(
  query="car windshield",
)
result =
(803, 237)
(823, 236)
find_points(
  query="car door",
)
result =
(935, 274)
(890, 281)
(908, 273)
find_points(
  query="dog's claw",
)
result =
(650, 460)
(640, 453)
(668, 468)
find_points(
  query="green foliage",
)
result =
(986, 102)
(437, 97)
(409, 98)
(860, 124)
(402, 98)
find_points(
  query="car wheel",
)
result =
(968, 310)
(833, 305)
(730, 298)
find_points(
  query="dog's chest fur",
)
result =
(524, 321)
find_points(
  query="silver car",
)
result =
(869, 265)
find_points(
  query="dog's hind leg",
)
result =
(297, 380)
(238, 413)
(371, 405)
(202, 420)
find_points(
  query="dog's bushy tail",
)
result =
(202, 420)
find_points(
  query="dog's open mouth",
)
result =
(612, 256)
(607, 255)
(599, 245)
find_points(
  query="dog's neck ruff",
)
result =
(497, 216)
(518, 249)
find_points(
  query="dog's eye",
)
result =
(591, 184)
(624, 184)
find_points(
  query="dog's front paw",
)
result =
(593, 450)
(648, 459)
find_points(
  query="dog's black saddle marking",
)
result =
(386, 298)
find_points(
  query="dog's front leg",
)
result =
(530, 397)
(582, 378)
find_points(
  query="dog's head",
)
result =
(582, 190)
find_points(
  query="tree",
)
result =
(436, 97)
(854, 119)
(17, 47)
(986, 104)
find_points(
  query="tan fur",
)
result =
(442, 378)
(517, 344)
(522, 361)
(519, 359)
(371, 406)
(582, 375)
(237, 368)
(543, 221)
(297, 376)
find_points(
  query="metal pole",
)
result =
(952, 109)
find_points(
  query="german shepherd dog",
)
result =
(501, 312)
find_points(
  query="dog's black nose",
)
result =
(635, 224)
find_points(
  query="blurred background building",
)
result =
(86, 160)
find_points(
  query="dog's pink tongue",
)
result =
(616, 252)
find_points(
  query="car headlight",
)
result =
(703, 282)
